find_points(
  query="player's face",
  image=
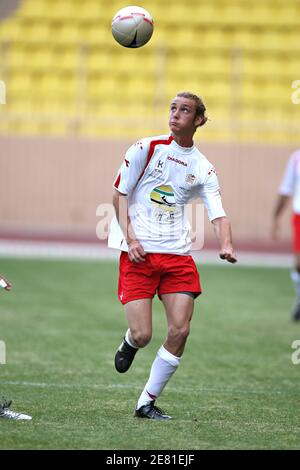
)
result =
(183, 119)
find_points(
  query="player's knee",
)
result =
(141, 338)
(178, 334)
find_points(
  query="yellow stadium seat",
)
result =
(250, 92)
(266, 66)
(96, 35)
(32, 9)
(103, 87)
(244, 38)
(21, 105)
(42, 58)
(69, 58)
(98, 60)
(261, 13)
(233, 13)
(278, 13)
(180, 64)
(57, 86)
(143, 90)
(19, 84)
(17, 57)
(290, 66)
(183, 39)
(290, 40)
(37, 32)
(10, 30)
(270, 39)
(67, 33)
(206, 13)
(60, 59)
(141, 63)
(58, 9)
(214, 38)
(88, 10)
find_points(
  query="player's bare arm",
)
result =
(281, 204)
(136, 252)
(5, 284)
(222, 229)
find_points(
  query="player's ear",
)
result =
(198, 120)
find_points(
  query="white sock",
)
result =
(129, 339)
(163, 367)
(295, 276)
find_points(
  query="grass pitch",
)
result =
(236, 387)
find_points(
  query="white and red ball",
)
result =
(132, 26)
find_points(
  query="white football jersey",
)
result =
(290, 185)
(161, 178)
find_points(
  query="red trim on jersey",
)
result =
(117, 182)
(153, 144)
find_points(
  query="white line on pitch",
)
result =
(135, 386)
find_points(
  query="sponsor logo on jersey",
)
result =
(190, 179)
(163, 196)
(176, 160)
(158, 170)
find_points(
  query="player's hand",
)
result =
(229, 255)
(5, 284)
(136, 252)
(275, 230)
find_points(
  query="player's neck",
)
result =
(183, 140)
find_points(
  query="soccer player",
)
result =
(290, 187)
(5, 412)
(158, 177)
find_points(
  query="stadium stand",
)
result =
(65, 75)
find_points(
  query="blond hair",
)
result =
(200, 106)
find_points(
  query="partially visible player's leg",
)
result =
(139, 318)
(295, 275)
(179, 310)
(137, 286)
(138, 335)
(6, 413)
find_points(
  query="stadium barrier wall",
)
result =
(51, 188)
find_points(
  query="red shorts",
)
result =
(296, 233)
(159, 273)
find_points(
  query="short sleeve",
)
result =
(132, 167)
(288, 181)
(211, 196)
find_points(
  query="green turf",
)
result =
(236, 387)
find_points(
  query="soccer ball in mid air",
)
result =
(132, 26)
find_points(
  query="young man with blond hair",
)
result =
(158, 178)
